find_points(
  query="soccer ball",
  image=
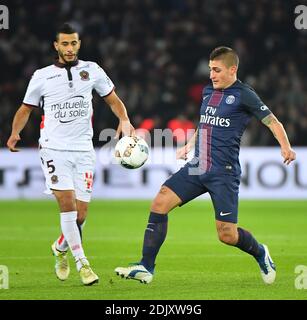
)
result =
(131, 152)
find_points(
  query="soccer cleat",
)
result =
(135, 272)
(267, 266)
(62, 269)
(87, 275)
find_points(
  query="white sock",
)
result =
(61, 243)
(72, 236)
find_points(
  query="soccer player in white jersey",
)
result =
(64, 91)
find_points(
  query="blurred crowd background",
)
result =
(156, 52)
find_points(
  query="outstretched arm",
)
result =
(281, 136)
(20, 120)
(120, 111)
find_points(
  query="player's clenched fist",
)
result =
(11, 143)
(288, 154)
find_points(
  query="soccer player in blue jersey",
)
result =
(227, 107)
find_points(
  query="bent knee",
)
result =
(159, 205)
(165, 201)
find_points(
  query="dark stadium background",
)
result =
(156, 53)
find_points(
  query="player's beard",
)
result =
(61, 55)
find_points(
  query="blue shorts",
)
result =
(223, 189)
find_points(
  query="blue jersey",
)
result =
(224, 115)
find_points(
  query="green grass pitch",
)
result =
(191, 265)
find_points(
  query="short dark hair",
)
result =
(228, 55)
(66, 28)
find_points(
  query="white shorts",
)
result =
(69, 170)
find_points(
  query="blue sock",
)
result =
(155, 234)
(249, 244)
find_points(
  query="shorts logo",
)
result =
(222, 214)
(89, 181)
(54, 179)
(263, 108)
(84, 75)
(230, 99)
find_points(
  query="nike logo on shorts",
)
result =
(224, 213)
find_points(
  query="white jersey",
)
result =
(65, 94)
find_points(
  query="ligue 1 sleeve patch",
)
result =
(84, 75)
